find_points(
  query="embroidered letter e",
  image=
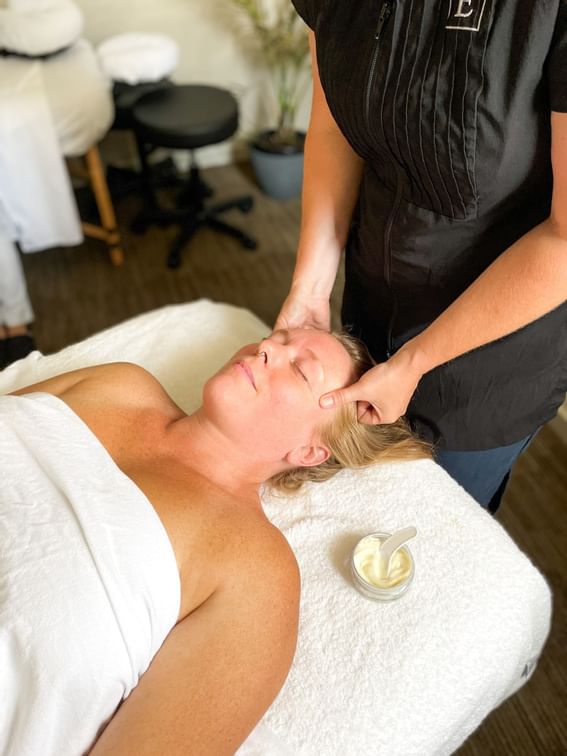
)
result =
(460, 8)
(465, 15)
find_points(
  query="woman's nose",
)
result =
(272, 350)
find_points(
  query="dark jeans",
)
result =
(484, 474)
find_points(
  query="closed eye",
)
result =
(299, 371)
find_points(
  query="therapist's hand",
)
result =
(301, 310)
(383, 393)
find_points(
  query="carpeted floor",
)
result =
(76, 292)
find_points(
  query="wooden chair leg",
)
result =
(109, 231)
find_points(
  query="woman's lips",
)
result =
(247, 372)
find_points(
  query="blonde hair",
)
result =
(353, 444)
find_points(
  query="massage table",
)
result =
(50, 108)
(412, 677)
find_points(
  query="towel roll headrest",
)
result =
(39, 27)
(136, 58)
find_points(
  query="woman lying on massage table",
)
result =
(230, 641)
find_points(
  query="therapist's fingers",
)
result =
(366, 412)
(304, 312)
(382, 394)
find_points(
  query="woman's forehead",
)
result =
(323, 345)
(314, 338)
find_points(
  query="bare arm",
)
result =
(331, 183)
(220, 668)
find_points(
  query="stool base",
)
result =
(190, 213)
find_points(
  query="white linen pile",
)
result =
(413, 677)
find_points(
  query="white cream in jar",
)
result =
(369, 573)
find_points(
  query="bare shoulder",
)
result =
(277, 545)
(124, 377)
(263, 544)
(109, 376)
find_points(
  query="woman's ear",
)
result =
(307, 456)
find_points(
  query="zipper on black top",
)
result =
(388, 258)
(385, 13)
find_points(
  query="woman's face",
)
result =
(267, 396)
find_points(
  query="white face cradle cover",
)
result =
(136, 58)
(39, 27)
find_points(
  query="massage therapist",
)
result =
(436, 156)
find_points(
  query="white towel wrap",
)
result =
(89, 586)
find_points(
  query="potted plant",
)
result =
(281, 37)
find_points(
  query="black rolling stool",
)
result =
(186, 117)
(124, 181)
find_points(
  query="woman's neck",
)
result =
(200, 446)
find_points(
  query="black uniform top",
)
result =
(448, 102)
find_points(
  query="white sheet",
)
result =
(15, 305)
(414, 677)
(80, 98)
(49, 110)
(37, 207)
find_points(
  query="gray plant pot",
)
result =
(280, 174)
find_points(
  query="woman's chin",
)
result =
(225, 399)
(228, 379)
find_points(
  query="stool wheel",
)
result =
(249, 243)
(246, 205)
(174, 260)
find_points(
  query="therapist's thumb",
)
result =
(337, 398)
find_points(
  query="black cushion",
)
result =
(186, 116)
(126, 96)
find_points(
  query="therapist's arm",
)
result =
(524, 283)
(331, 181)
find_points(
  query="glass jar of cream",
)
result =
(368, 572)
